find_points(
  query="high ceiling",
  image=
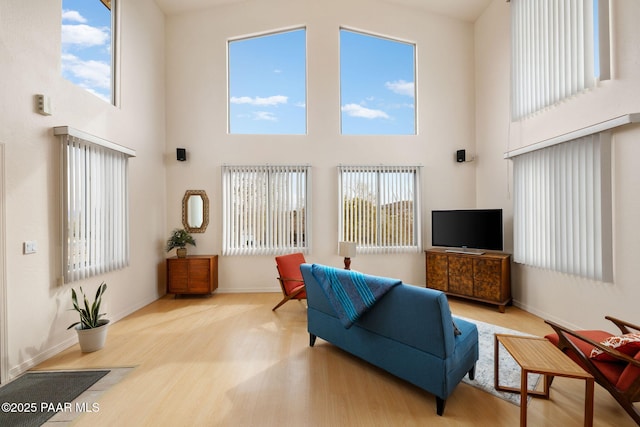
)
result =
(467, 10)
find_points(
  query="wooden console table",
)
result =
(540, 356)
(194, 274)
(485, 277)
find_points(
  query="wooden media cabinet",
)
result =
(485, 277)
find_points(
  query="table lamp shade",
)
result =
(347, 249)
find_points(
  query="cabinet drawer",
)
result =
(178, 275)
(199, 275)
(488, 279)
(437, 271)
(461, 275)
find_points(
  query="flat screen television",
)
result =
(467, 228)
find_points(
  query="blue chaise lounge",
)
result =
(408, 331)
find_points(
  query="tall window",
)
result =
(267, 84)
(377, 85)
(558, 49)
(265, 209)
(95, 206)
(562, 207)
(88, 45)
(380, 208)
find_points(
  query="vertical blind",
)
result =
(265, 209)
(95, 209)
(562, 207)
(379, 208)
(553, 51)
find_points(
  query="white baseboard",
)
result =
(546, 316)
(16, 371)
(248, 291)
(133, 308)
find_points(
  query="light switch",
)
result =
(30, 247)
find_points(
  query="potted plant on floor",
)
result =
(91, 329)
(180, 239)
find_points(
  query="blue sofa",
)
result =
(409, 332)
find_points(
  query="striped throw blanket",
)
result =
(351, 293)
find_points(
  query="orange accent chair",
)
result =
(290, 277)
(617, 371)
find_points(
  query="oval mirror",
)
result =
(195, 211)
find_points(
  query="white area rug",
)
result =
(509, 369)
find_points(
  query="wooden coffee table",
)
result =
(540, 356)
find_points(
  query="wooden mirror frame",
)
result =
(205, 211)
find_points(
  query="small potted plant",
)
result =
(180, 239)
(91, 329)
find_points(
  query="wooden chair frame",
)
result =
(292, 295)
(625, 398)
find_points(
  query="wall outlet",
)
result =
(30, 247)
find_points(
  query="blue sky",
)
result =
(267, 84)
(86, 46)
(596, 39)
(377, 85)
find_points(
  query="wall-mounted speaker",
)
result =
(461, 156)
(181, 154)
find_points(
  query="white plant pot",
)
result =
(92, 339)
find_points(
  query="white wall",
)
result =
(37, 307)
(197, 115)
(567, 299)
(463, 102)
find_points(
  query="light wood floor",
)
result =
(228, 360)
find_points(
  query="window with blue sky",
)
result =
(377, 85)
(87, 45)
(267, 84)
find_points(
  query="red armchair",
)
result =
(617, 372)
(290, 277)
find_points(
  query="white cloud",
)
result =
(269, 101)
(355, 110)
(84, 35)
(88, 74)
(265, 115)
(401, 87)
(400, 106)
(73, 16)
